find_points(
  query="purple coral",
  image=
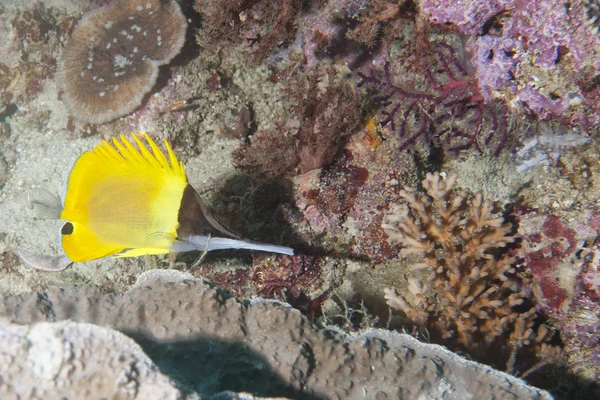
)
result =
(528, 53)
(449, 111)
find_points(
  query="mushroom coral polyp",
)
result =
(112, 59)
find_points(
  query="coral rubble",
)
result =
(111, 61)
(202, 340)
(479, 306)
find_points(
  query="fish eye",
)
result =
(67, 229)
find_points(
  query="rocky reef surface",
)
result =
(67, 343)
(316, 125)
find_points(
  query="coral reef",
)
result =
(111, 61)
(265, 23)
(531, 54)
(324, 109)
(180, 321)
(461, 243)
(439, 103)
(303, 121)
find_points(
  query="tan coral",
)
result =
(215, 343)
(111, 61)
(77, 361)
(461, 241)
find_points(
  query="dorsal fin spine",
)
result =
(158, 155)
(146, 155)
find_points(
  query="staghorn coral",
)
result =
(211, 343)
(112, 59)
(478, 306)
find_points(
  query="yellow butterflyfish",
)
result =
(127, 201)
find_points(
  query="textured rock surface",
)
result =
(76, 361)
(210, 343)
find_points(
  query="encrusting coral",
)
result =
(74, 360)
(543, 64)
(210, 343)
(267, 24)
(478, 305)
(112, 59)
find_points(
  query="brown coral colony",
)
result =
(462, 244)
(112, 59)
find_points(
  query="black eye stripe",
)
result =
(67, 229)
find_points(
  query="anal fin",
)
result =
(141, 251)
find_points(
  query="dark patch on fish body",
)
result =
(195, 218)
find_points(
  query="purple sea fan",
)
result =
(439, 103)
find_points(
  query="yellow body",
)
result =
(122, 200)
